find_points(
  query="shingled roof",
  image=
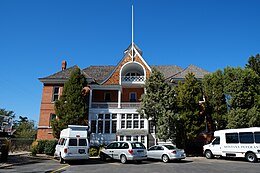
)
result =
(198, 72)
(100, 73)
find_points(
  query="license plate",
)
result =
(81, 151)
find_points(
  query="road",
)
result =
(189, 165)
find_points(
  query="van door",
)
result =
(216, 147)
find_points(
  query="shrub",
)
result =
(49, 147)
(5, 148)
(41, 146)
(34, 148)
(93, 151)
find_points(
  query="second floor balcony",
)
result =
(115, 105)
(133, 79)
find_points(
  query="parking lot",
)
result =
(190, 164)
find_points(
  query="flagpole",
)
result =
(132, 32)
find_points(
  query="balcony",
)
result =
(133, 79)
(114, 105)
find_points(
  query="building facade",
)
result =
(114, 97)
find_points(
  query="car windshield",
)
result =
(137, 145)
(170, 147)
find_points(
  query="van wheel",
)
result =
(208, 154)
(61, 160)
(251, 157)
(123, 159)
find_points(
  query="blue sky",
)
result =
(36, 35)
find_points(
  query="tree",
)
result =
(158, 104)
(72, 107)
(254, 63)
(215, 100)
(190, 123)
(25, 128)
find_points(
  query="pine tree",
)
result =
(189, 122)
(72, 107)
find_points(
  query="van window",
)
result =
(137, 145)
(246, 137)
(82, 142)
(257, 137)
(216, 141)
(232, 138)
(72, 142)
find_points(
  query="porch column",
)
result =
(90, 98)
(119, 98)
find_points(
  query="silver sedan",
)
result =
(165, 153)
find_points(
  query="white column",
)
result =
(119, 98)
(90, 98)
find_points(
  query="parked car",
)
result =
(124, 151)
(165, 153)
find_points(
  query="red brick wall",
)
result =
(47, 108)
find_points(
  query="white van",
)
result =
(244, 142)
(73, 144)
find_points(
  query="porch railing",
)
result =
(133, 79)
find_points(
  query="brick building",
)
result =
(115, 93)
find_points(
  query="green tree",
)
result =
(254, 63)
(158, 104)
(72, 107)
(215, 101)
(189, 122)
(25, 128)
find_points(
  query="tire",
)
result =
(208, 154)
(62, 161)
(165, 158)
(251, 157)
(103, 157)
(123, 159)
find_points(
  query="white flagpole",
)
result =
(132, 32)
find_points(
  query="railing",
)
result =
(133, 79)
(114, 105)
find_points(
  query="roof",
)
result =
(198, 72)
(100, 73)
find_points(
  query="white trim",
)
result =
(44, 127)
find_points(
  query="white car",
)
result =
(165, 153)
(124, 151)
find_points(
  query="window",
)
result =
(113, 116)
(142, 124)
(100, 116)
(122, 124)
(93, 126)
(137, 145)
(100, 126)
(121, 138)
(128, 138)
(142, 139)
(107, 126)
(107, 96)
(132, 97)
(216, 141)
(55, 94)
(232, 138)
(246, 137)
(52, 117)
(128, 124)
(135, 138)
(123, 116)
(114, 126)
(124, 146)
(113, 146)
(257, 137)
(136, 124)
(159, 148)
(151, 127)
(129, 116)
(136, 116)
(72, 142)
(107, 116)
(82, 142)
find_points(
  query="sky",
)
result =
(36, 35)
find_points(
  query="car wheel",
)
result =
(123, 159)
(102, 157)
(251, 157)
(165, 158)
(208, 154)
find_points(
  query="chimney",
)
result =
(63, 65)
